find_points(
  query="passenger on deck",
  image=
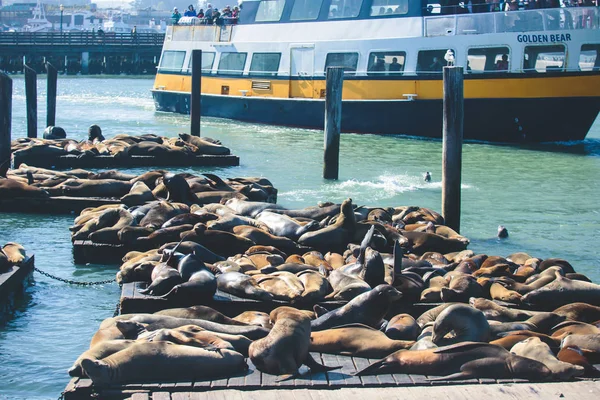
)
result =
(190, 12)
(436, 65)
(502, 65)
(175, 17)
(235, 14)
(513, 5)
(208, 14)
(395, 66)
(379, 65)
(216, 17)
(200, 13)
(381, 10)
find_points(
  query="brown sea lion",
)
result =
(200, 312)
(138, 363)
(535, 349)
(14, 252)
(316, 287)
(286, 347)
(574, 355)
(461, 289)
(562, 291)
(257, 318)
(467, 324)
(588, 344)
(333, 237)
(581, 312)
(357, 341)
(98, 352)
(461, 361)
(499, 292)
(402, 327)
(497, 312)
(367, 308)
(243, 286)
(11, 188)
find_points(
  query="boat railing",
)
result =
(549, 19)
(200, 33)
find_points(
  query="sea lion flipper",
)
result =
(457, 376)
(364, 244)
(319, 310)
(398, 254)
(286, 377)
(457, 347)
(316, 367)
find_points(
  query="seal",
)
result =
(561, 291)
(356, 340)
(98, 352)
(139, 363)
(535, 349)
(257, 318)
(574, 355)
(540, 322)
(333, 237)
(200, 312)
(460, 289)
(402, 327)
(462, 361)
(367, 308)
(502, 232)
(588, 344)
(243, 286)
(14, 252)
(281, 285)
(264, 238)
(223, 243)
(282, 225)
(581, 312)
(467, 323)
(316, 287)
(500, 313)
(369, 265)
(286, 347)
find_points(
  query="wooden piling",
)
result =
(5, 122)
(195, 107)
(333, 121)
(31, 100)
(452, 145)
(51, 91)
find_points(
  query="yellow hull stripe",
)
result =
(566, 86)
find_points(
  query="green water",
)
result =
(546, 195)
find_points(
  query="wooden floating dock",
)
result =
(86, 251)
(132, 301)
(256, 385)
(53, 205)
(13, 282)
(72, 161)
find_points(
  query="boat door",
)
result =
(302, 63)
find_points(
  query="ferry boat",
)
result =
(530, 75)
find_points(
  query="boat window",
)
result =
(588, 58)
(544, 58)
(171, 61)
(306, 10)
(232, 63)
(388, 7)
(347, 60)
(269, 10)
(386, 63)
(344, 8)
(265, 64)
(207, 62)
(432, 61)
(488, 59)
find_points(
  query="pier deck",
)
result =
(12, 282)
(72, 161)
(339, 384)
(53, 205)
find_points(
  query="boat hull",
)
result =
(493, 120)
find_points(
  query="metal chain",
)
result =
(71, 282)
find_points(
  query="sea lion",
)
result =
(460, 289)
(139, 362)
(257, 318)
(200, 312)
(551, 262)
(588, 344)
(164, 278)
(189, 219)
(540, 322)
(283, 286)
(98, 352)
(187, 247)
(356, 340)
(14, 252)
(431, 315)
(161, 212)
(316, 287)
(367, 308)
(201, 286)
(499, 292)
(369, 264)
(497, 312)
(467, 323)
(509, 339)
(582, 312)
(282, 225)
(251, 208)
(229, 221)
(535, 349)
(264, 238)
(204, 146)
(502, 232)
(562, 291)
(402, 327)
(190, 335)
(223, 243)
(422, 242)
(461, 361)
(346, 286)
(333, 237)
(286, 347)
(243, 286)
(574, 355)
(317, 213)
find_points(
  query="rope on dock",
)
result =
(71, 282)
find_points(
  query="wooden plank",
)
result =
(220, 383)
(402, 379)
(180, 396)
(161, 396)
(202, 384)
(319, 379)
(304, 379)
(367, 380)
(140, 396)
(348, 368)
(253, 378)
(334, 378)
(419, 379)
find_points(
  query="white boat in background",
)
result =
(39, 22)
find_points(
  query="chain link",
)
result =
(71, 282)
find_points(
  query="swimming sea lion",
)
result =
(139, 363)
(286, 347)
(535, 349)
(356, 340)
(367, 308)
(467, 323)
(461, 361)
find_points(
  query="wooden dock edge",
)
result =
(104, 162)
(13, 282)
(53, 205)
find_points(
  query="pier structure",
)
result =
(85, 52)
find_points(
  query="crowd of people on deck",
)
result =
(210, 16)
(480, 6)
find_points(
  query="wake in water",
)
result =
(384, 187)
